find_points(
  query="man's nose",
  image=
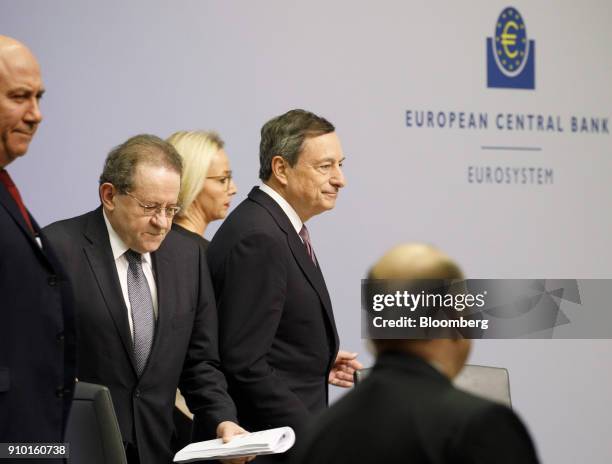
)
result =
(161, 220)
(338, 180)
(34, 115)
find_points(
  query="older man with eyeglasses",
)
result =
(145, 307)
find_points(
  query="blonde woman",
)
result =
(206, 191)
(206, 185)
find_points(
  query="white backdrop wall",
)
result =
(114, 69)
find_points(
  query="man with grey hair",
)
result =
(278, 339)
(37, 337)
(407, 409)
(145, 307)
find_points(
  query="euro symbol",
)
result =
(508, 39)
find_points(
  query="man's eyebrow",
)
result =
(330, 159)
(22, 89)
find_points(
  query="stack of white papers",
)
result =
(264, 442)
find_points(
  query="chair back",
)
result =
(93, 431)
(492, 383)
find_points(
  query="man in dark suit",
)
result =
(37, 339)
(145, 307)
(407, 409)
(278, 339)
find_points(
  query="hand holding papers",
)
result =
(264, 442)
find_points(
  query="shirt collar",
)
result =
(118, 246)
(296, 222)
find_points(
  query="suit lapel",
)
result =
(100, 257)
(312, 272)
(7, 201)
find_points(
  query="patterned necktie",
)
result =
(305, 236)
(12, 189)
(143, 318)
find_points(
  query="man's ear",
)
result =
(279, 169)
(107, 193)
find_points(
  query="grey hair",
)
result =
(284, 136)
(122, 160)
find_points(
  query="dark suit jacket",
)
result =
(37, 335)
(407, 411)
(187, 233)
(185, 344)
(183, 424)
(278, 338)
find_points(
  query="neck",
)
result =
(282, 191)
(434, 353)
(442, 359)
(194, 221)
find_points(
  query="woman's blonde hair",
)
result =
(197, 149)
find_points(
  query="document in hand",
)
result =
(263, 442)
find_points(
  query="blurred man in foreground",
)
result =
(407, 409)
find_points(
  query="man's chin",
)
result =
(18, 151)
(152, 243)
(329, 203)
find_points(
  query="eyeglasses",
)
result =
(153, 210)
(225, 179)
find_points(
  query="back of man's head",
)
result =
(284, 136)
(412, 262)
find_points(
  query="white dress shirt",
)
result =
(119, 248)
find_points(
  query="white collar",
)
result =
(295, 220)
(118, 246)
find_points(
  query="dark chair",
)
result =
(93, 431)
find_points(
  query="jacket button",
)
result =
(137, 393)
(52, 281)
(60, 337)
(59, 391)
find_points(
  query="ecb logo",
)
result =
(510, 55)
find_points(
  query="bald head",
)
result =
(21, 88)
(414, 261)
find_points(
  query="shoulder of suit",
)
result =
(178, 245)
(251, 216)
(67, 226)
(466, 407)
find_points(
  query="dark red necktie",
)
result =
(305, 236)
(6, 180)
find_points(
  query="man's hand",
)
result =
(345, 366)
(226, 431)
